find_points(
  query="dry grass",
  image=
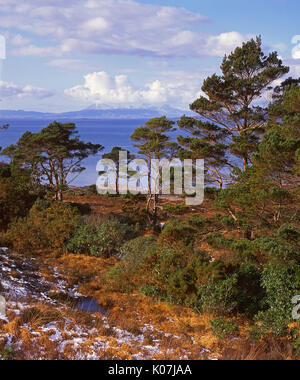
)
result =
(269, 349)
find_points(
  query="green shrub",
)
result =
(134, 251)
(231, 288)
(82, 241)
(178, 234)
(218, 241)
(228, 222)
(246, 250)
(176, 209)
(159, 271)
(289, 233)
(134, 270)
(103, 241)
(223, 329)
(278, 251)
(42, 204)
(133, 215)
(282, 283)
(5, 170)
(198, 221)
(295, 333)
(219, 297)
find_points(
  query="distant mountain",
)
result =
(96, 112)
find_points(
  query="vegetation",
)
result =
(234, 260)
(50, 161)
(153, 143)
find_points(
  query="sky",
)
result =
(58, 55)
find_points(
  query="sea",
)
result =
(108, 133)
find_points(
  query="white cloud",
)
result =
(19, 40)
(13, 90)
(178, 89)
(225, 43)
(296, 49)
(295, 71)
(113, 27)
(71, 64)
(36, 51)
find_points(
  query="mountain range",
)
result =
(95, 112)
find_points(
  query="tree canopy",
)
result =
(229, 105)
(53, 155)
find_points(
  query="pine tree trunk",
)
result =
(245, 163)
(60, 196)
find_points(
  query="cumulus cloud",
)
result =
(12, 90)
(177, 89)
(225, 42)
(99, 27)
(296, 49)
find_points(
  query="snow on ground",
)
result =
(39, 326)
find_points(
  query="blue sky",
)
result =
(67, 55)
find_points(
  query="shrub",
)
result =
(176, 209)
(281, 283)
(198, 221)
(5, 170)
(289, 233)
(102, 241)
(231, 288)
(42, 204)
(135, 251)
(178, 234)
(218, 241)
(159, 271)
(211, 192)
(83, 208)
(176, 275)
(84, 238)
(138, 258)
(228, 221)
(91, 190)
(13, 202)
(46, 229)
(222, 328)
(246, 250)
(277, 250)
(219, 297)
(133, 215)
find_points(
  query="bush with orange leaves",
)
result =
(45, 229)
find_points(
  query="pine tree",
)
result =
(207, 142)
(268, 192)
(153, 143)
(53, 155)
(230, 99)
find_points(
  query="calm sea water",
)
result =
(108, 133)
